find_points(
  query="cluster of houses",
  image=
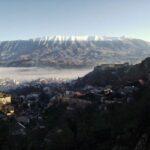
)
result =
(6, 84)
(105, 96)
(90, 95)
(29, 105)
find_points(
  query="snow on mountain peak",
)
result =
(78, 38)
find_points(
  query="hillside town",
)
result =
(52, 108)
(26, 104)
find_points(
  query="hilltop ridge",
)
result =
(116, 74)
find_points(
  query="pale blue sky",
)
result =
(24, 19)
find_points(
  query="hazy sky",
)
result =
(23, 19)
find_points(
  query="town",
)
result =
(38, 106)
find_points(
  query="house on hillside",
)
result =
(5, 104)
(5, 99)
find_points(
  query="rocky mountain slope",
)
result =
(116, 74)
(75, 51)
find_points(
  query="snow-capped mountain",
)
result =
(72, 51)
(78, 38)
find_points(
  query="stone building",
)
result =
(5, 104)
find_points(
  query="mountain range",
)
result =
(72, 51)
